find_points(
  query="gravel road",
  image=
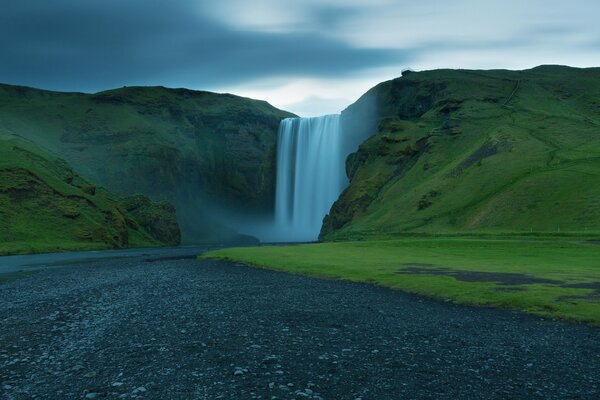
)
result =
(168, 328)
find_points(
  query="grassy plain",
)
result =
(547, 276)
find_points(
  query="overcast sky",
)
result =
(306, 56)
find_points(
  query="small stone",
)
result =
(90, 374)
(238, 371)
(269, 360)
(117, 384)
(91, 395)
(140, 389)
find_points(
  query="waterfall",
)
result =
(310, 175)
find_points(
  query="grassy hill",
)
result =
(209, 154)
(45, 206)
(459, 151)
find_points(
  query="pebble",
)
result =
(140, 389)
(330, 324)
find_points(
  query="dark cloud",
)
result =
(96, 44)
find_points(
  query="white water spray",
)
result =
(310, 175)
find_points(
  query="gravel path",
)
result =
(188, 329)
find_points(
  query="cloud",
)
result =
(306, 54)
(315, 96)
(314, 105)
(73, 45)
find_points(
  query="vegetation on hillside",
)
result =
(46, 206)
(459, 151)
(204, 152)
(548, 277)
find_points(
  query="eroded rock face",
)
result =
(157, 218)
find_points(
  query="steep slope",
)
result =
(210, 154)
(458, 151)
(45, 206)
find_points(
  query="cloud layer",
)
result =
(325, 54)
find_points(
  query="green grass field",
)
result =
(550, 277)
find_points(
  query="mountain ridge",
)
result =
(209, 154)
(475, 151)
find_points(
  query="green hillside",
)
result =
(45, 206)
(460, 151)
(206, 153)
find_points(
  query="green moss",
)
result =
(45, 206)
(157, 218)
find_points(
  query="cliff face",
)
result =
(457, 151)
(207, 153)
(46, 206)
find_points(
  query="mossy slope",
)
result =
(45, 206)
(458, 151)
(204, 152)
